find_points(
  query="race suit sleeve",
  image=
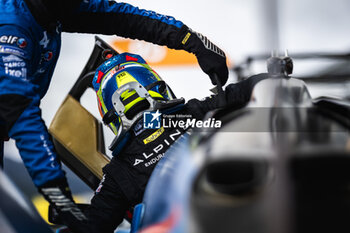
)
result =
(112, 18)
(35, 146)
(122, 19)
(19, 105)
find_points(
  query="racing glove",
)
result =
(58, 194)
(210, 58)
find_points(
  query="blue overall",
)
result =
(28, 55)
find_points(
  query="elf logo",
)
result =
(21, 42)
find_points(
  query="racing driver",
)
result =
(127, 87)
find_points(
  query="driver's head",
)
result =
(126, 86)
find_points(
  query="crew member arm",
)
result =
(19, 104)
(122, 19)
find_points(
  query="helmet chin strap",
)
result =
(119, 108)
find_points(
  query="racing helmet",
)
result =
(126, 86)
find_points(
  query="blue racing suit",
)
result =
(29, 49)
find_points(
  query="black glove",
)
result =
(57, 193)
(210, 57)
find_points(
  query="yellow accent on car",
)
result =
(153, 136)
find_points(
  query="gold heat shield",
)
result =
(78, 139)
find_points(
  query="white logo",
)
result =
(12, 50)
(151, 120)
(157, 151)
(11, 58)
(41, 70)
(15, 64)
(101, 184)
(22, 73)
(8, 39)
(44, 41)
(191, 123)
(137, 161)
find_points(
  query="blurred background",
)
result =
(314, 31)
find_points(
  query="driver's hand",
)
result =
(210, 57)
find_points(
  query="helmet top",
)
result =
(126, 86)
